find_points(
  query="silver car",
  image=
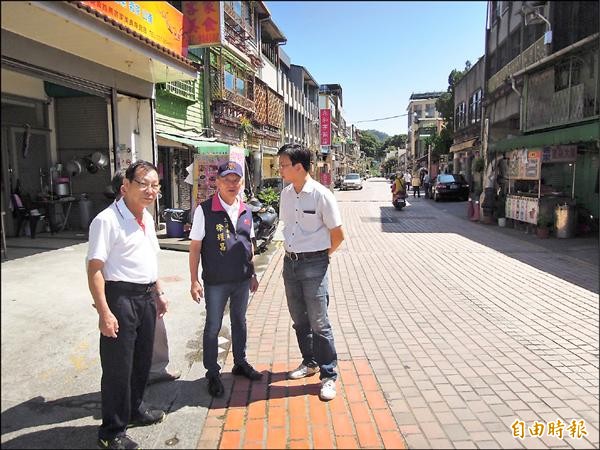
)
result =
(352, 181)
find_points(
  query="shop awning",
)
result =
(204, 146)
(463, 145)
(581, 133)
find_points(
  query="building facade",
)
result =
(78, 105)
(542, 100)
(423, 122)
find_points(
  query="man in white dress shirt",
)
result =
(312, 232)
(123, 280)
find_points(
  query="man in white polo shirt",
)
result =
(123, 280)
(312, 232)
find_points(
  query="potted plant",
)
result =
(544, 223)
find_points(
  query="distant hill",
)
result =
(380, 135)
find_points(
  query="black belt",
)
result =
(305, 255)
(136, 288)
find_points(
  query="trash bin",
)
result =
(174, 219)
(85, 211)
(565, 221)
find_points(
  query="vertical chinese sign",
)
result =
(325, 116)
(202, 24)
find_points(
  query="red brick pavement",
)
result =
(281, 413)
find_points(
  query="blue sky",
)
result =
(381, 52)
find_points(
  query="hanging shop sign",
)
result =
(325, 121)
(158, 21)
(203, 24)
(559, 153)
(525, 164)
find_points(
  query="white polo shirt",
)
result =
(128, 252)
(308, 216)
(198, 231)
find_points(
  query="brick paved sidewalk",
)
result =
(281, 413)
(446, 333)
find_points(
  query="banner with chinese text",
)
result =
(158, 21)
(325, 118)
(203, 24)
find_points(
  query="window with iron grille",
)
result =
(182, 89)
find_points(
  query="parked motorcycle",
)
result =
(265, 220)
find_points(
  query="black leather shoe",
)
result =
(148, 417)
(246, 370)
(215, 386)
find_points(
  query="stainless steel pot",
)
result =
(100, 159)
(74, 168)
(62, 189)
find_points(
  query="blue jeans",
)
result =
(308, 297)
(216, 297)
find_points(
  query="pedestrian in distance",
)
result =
(416, 184)
(123, 280)
(407, 180)
(426, 184)
(221, 234)
(312, 232)
(160, 349)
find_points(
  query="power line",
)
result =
(383, 118)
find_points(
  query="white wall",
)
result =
(135, 127)
(18, 84)
(268, 73)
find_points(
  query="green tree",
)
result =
(441, 143)
(369, 144)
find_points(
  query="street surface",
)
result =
(448, 332)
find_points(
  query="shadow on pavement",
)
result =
(37, 412)
(522, 247)
(59, 437)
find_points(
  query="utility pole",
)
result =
(429, 159)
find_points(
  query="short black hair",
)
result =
(297, 154)
(117, 182)
(147, 167)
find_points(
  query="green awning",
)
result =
(202, 147)
(570, 135)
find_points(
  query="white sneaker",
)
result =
(327, 389)
(302, 371)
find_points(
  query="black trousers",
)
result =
(126, 359)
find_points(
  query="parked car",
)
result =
(352, 181)
(448, 186)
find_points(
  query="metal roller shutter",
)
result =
(56, 77)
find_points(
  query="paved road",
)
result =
(467, 328)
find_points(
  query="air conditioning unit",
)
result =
(534, 15)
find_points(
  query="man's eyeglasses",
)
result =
(283, 166)
(146, 186)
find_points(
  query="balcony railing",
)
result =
(530, 55)
(218, 92)
(182, 89)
